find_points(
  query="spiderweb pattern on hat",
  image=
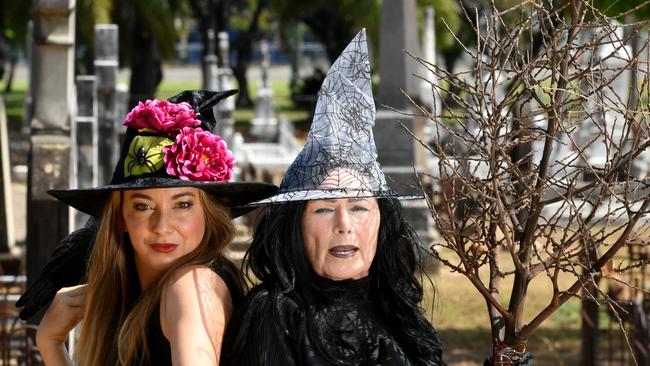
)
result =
(339, 159)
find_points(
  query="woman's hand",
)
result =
(65, 312)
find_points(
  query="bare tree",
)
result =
(540, 161)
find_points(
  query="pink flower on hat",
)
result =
(199, 155)
(161, 115)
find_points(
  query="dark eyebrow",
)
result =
(183, 194)
(140, 195)
(176, 196)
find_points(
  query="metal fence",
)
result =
(16, 335)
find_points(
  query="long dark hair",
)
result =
(277, 258)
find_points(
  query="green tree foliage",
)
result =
(333, 23)
(630, 9)
(14, 16)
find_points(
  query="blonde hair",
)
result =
(117, 313)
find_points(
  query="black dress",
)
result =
(335, 325)
(159, 347)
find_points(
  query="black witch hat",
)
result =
(167, 144)
(170, 144)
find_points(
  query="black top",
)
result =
(335, 325)
(159, 347)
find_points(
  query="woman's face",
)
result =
(163, 224)
(340, 236)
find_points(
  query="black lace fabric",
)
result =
(342, 328)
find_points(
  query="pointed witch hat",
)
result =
(339, 159)
(169, 143)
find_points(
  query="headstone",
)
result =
(121, 108)
(286, 136)
(264, 126)
(397, 34)
(265, 63)
(429, 95)
(267, 161)
(86, 134)
(604, 109)
(224, 111)
(6, 205)
(106, 69)
(400, 155)
(52, 76)
(210, 66)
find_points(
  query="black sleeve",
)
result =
(66, 267)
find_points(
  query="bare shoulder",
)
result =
(194, 296)
(195, 279)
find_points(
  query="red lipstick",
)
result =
(164, 247)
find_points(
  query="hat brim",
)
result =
(328, 194)
(233, 195)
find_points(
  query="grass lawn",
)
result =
(14, 102)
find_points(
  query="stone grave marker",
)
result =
(264, 126)
(52, 89)
(400, 156)
(224, 111)
(106, 69)
(86, 135)
(6, 203)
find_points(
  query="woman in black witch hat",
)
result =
(158, 289)
(336, 260)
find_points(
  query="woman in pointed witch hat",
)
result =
(336, 260)
(158, 289)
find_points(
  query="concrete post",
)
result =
(86, 133)
(6, 205)
(399, 154)
(428, 94)
(224, 110)
(106, 68)
(52, 72)
(210, 67)
(396, 67)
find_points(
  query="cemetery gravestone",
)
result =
(6, 206)
(264, 125)
(224, 110)
(399, 154)
(86, 135)
(106, 69)
(51, 83)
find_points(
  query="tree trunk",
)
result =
(239, 72)
(12, 68)
(244, 48)
(590, 328)
(146, 69)
(332, 31)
